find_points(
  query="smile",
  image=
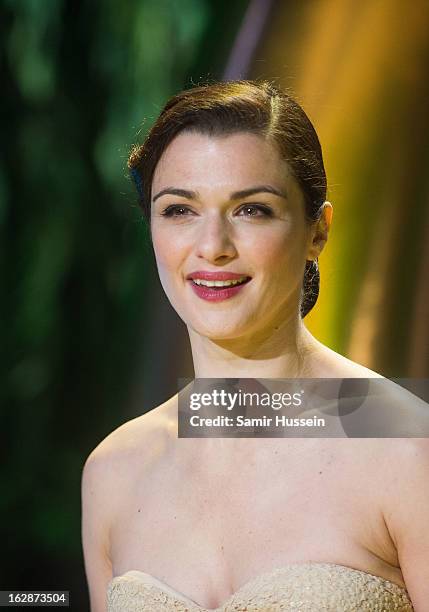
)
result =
(218, 290)
(219, 283)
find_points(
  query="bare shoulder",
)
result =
(330, 364)
(391, 409)
(136, 440)
(108, 480)
(111, 468)
(404, 466)
(407, 513)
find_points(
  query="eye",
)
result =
(255, 210)
(176, 210)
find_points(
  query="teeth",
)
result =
(219, 283)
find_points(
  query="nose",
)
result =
(215, 243)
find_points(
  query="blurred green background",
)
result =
(88, 338)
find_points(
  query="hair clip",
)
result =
(137, 181)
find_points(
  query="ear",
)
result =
(320, 231)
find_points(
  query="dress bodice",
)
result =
(304, 587)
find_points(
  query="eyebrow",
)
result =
(236, 195)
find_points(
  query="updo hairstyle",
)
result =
(225, 108)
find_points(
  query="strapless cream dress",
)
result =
(304, 587)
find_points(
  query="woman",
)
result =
(231, 178)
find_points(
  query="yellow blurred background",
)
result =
(360, 70)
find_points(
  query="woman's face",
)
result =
(227, 208)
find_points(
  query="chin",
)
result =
(220, 330)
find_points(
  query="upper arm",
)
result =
(95, 530)
(409, 520)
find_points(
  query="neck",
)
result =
(282, 351)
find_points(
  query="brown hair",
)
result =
(241, 106)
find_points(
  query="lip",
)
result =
(211, 294)
(222, 276)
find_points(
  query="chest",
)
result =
(253, 514)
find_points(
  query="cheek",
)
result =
(282, 252)
(170, 250)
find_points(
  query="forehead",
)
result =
(234, 161)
